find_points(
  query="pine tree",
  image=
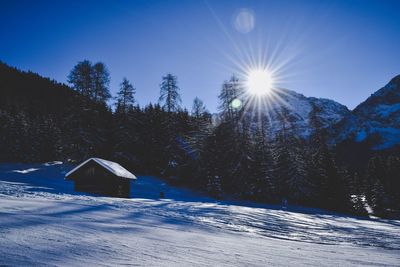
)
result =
(126, 142)
(8, 136)
(233, 141)
(125, 97)
(170, 100)
(169, 93)
(245, 160)
(85, 130)
(100, 83)
(393, 181)
(198, 108)
(291, 169)
(90, 80)
(379, 199)
(182, 150)
(231, 101)
(264, 187)
(354, 190)
(299, 184)
(376, 194)
(327, 180)
(209, 169)
(287, 122)
(330, 190)
(156, 139)
(280, 154)
(44, 137)
(227, 156)
(81, 78)
(320, 161)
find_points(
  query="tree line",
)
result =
(228, 155)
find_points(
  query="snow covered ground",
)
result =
(43, 222)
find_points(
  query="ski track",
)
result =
(44, 222)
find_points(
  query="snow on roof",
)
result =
(111, 166)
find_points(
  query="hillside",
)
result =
(41, 119)
(376, 120)
(299, 109)
(43, 222)
(33, 93)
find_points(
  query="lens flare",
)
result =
(259, 82)
(236, 103)
(244, 20)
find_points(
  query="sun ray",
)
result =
(262, 65)
(259, 82)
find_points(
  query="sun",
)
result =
(259, 82)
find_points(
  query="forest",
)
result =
(226, 155)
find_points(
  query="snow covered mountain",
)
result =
(376, 120)
(288, 105)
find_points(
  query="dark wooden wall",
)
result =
(93, 178)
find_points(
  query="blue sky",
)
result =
(342, 50)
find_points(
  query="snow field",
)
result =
(44, 222)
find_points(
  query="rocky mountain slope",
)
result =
(376, 120)
(289, 109)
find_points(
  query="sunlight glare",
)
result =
(259, 82)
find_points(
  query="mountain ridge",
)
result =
(375, 120)
(299, 109)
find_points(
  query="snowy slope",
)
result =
(43, 222)
(377, 117)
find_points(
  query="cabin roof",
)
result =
(111, 166)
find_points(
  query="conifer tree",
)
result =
(290, 166)
(320, 162)
(210, 166)
(169, 93)
(376, 193)
(100, 83)
(125, 97)
(81, 78)
(126, 143)
(264, 187)
(170, 101)
(231, 101)
(393, 181)
(354, 190)
(299, 184)
(198, 108)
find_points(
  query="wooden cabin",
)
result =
(101, 177)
